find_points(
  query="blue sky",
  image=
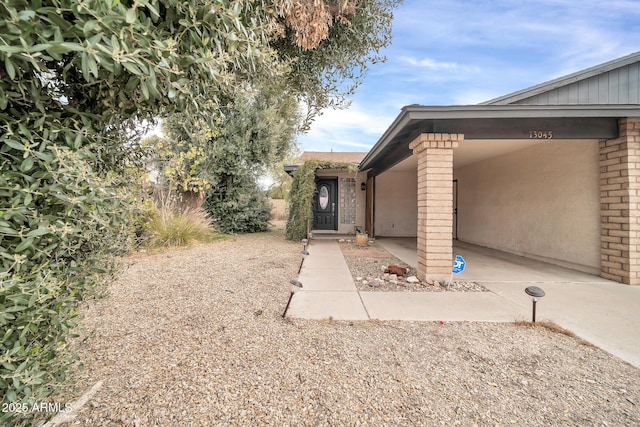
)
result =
(456, 52)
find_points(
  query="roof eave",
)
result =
(401, 120)
(421, 112)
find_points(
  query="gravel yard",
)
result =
(194, 337)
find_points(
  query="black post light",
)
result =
(304, 253)
(295, 287)
(535, 292)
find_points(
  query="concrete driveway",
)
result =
(605, 313)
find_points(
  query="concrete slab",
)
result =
(602, 312)
(314, 279)
(403, 248)
(485, 264)
(327, 304)
(605, 314)
(444, 306)
(324, 254)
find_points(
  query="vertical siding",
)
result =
(614, 86)
(603, 89)
(623, 86)
(583, 92)
(619, 86)
(563, 94)
(634, 84)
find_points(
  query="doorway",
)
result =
(325, 204)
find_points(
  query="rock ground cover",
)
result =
(195, 337)
(369, 265)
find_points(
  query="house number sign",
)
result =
(540, 134)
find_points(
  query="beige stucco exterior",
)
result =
(550, 177)
(360, 177)
(541, 202)
(396, 204)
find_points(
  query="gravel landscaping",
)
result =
(369, 267)
(195, 337)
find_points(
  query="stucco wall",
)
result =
(360, 198)
(541, 201)
(396, 209)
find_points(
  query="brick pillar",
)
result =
(435, 203)
(620, 204)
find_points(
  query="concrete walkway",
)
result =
(605, 313)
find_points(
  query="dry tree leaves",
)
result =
(311, 19)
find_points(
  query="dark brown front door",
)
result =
(325, 206)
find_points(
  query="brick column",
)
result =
(435, 203)
(620, 204)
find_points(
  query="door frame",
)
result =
(333, 199)
(369, 219)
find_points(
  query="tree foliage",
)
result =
(76, 77)
(330, 55)
(280, 180)
(226, 160)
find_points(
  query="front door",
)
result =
(325, 206)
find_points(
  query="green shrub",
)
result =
(239, 208)
(61, 224)
(177, 227)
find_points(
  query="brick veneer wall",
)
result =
(435, 203)
(620, 204)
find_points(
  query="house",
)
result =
(551, 172)
(339, 202)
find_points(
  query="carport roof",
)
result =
(493, 122)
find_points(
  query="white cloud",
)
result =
(354, 129)
(432, 64)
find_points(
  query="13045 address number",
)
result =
(540, 134)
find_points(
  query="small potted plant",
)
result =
(362, 239)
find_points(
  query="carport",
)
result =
(484, 264)
(551, 173)
(536, 181)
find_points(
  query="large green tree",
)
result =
(76, 76)
(325, 49)
(225, 159)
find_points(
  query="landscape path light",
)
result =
(304, 252)
(304, 255)
(295, 287)
(535, 293)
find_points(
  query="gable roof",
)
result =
(615, 82)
